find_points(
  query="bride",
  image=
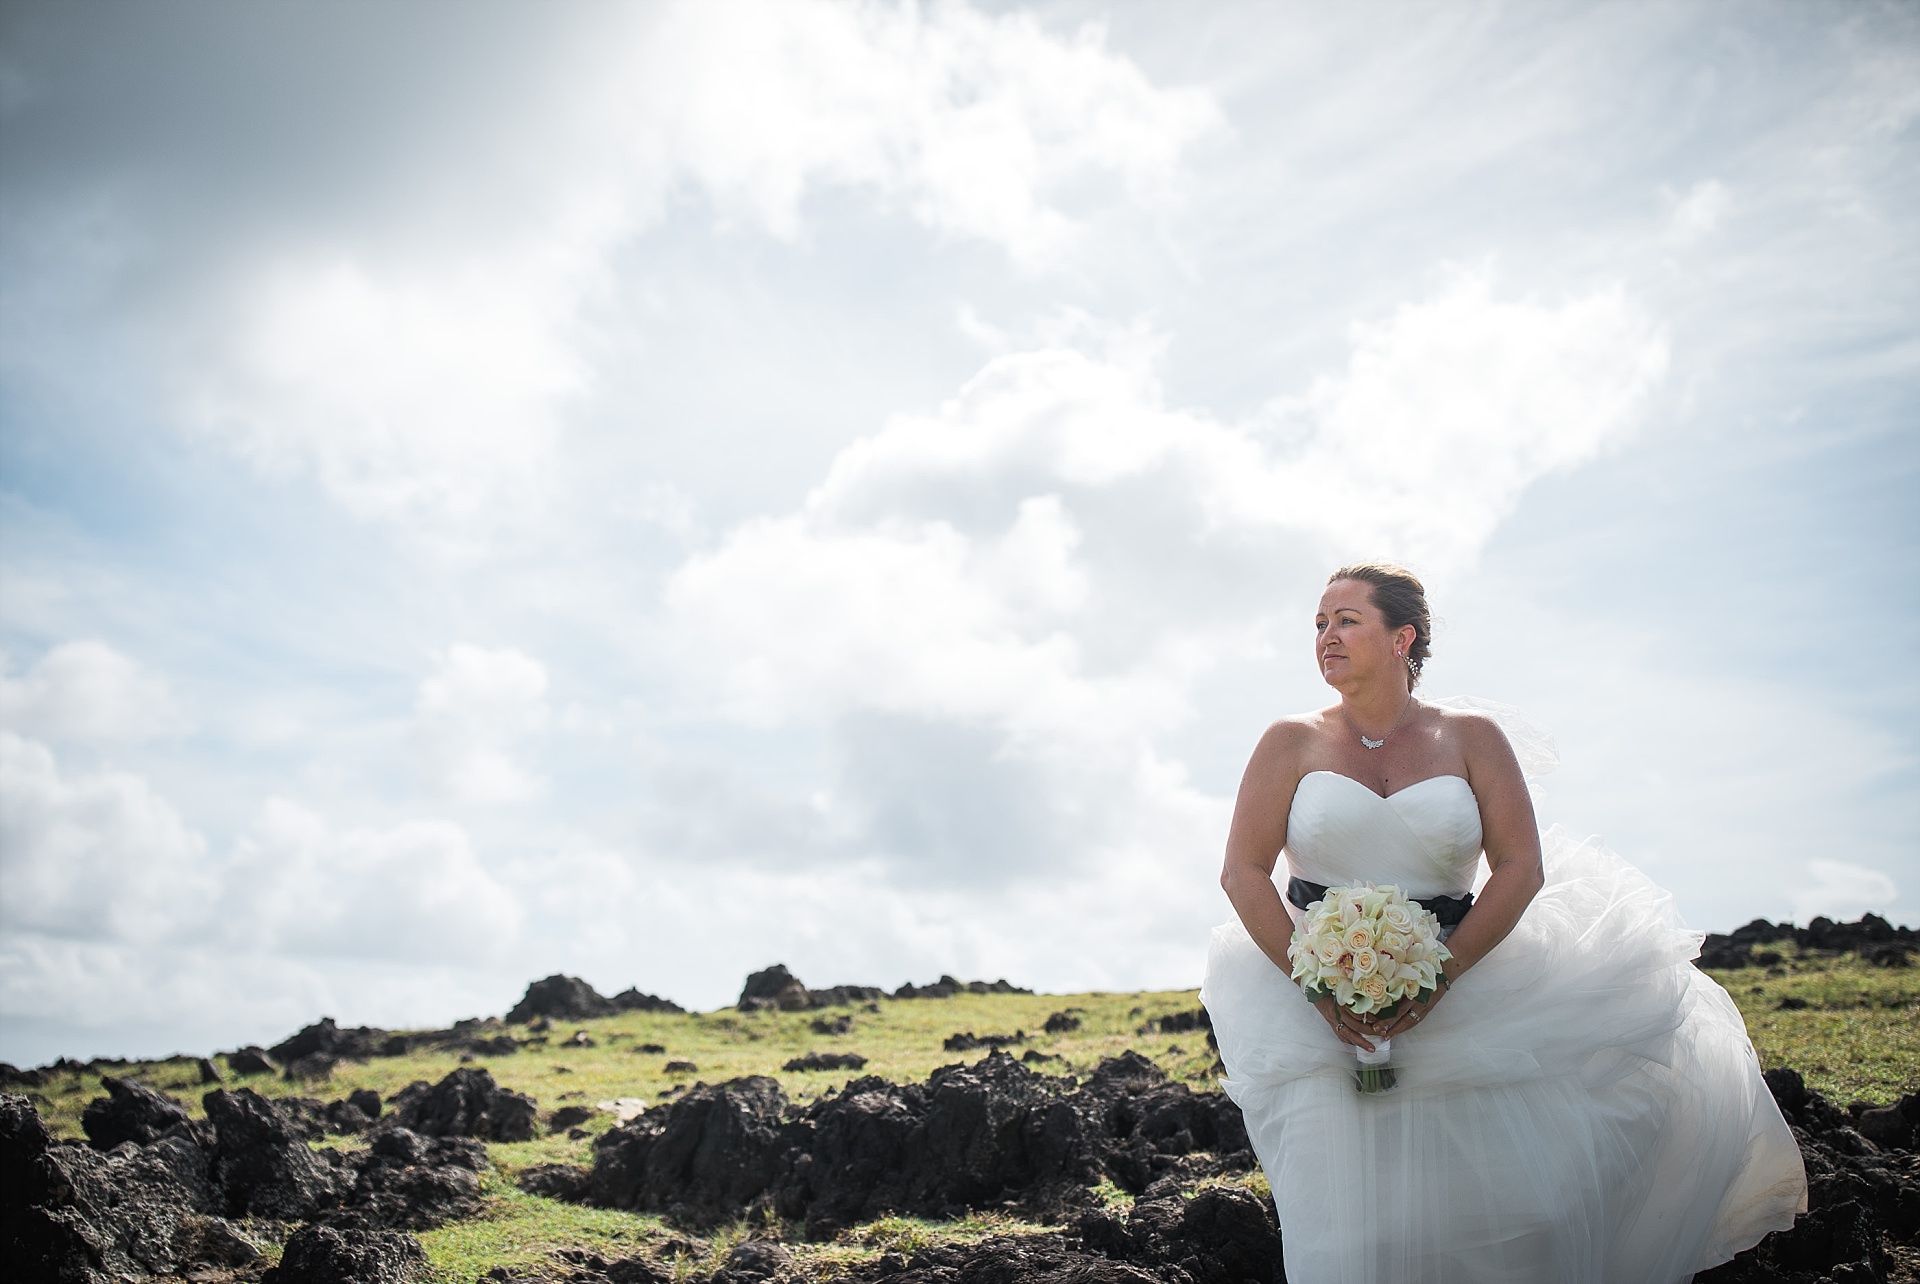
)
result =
(1575, 1103)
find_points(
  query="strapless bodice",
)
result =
(1425, 837)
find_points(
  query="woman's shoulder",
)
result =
(1477, 733)
(1288, 736)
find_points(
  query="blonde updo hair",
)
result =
(1402, 600)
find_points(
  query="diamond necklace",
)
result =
(1375, 744)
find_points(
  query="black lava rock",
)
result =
(325, 1255)
(467, 1103)
(565, 998)
(129, 1112)
(261, 1161)
(815, 1060)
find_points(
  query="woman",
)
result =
(1576, 1102)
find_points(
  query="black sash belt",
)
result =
(1448, 909)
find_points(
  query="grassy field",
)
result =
(1858, 1036)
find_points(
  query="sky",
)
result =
(650, 491)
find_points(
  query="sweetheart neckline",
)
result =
(1341, 775)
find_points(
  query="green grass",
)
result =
(1858, 1037)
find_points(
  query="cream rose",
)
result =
(1397, 917)
(1365, 963)
(1357, 937)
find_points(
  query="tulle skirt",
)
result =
(1584, 1106)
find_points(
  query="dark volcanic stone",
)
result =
(570, 1117)
(774, 987)
(366, 1101)
(842, 1024)
(632, 1000)
(1861, 1199)
(314, 1066)
(409, 1182)
(1220, 1236)
(825, 1061)
(970, 1136)
(324, 1255)
(12, 1076)
(252, 1061)
(567, 998)
(261, 1160)
(754, 1261)
(346, 1119)
(1062, 1023)
(70, 1213)
(1181, 1022)
(700, 1160)
(129, 1112)
(946, 987)
(591, 1268)
(468, 1103)
(1010, 1259)
(564, 1182)
(968, 1041)
(209, 1072)
(326, 1038)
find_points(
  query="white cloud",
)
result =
(1003, 605)
(434, 395)
(86, 691)
(94, 857)
(972, 122)
(429, 398)
(1842, 891)
(471, 712)
(412, 891)
(1699, 211)
(884, 593)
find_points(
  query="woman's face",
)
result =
(1351, 641)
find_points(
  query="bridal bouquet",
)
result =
(1371, 949)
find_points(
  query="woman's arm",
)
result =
(1254, 841)
(1511, 838)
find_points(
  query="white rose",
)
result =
(1373, 987)
(1357, 937)
(1397, 917)
(1328, 949)
(1365, 962)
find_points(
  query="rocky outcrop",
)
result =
(162, 1207)
(817, 1060)
(324, 1255)
(777, 988)
(407, 1181)
(467, 1103)
(970, 1136)
(946, 987)
(73, 1213)
(129, 1112)
(1872, 938)
(261, 1162)
(568, 998)
(968, 1041)
(1863, 1197)
(1221, 1235)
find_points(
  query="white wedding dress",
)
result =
(1583, 1107)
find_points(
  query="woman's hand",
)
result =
(1411, 1014)
(1348, 1027)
